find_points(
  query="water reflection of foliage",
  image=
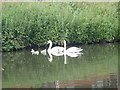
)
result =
(34, 70)
(100, 51)
(19, 59)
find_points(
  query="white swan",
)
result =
(56, 51)
(44, 52)
(59, 51)
(72, 51)
(2, 69)
(34, 52)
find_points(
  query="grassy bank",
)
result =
(26, 24)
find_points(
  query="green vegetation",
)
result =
(26, 24)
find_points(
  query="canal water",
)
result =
(97, 67)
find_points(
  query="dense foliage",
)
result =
(26, 24)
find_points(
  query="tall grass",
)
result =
(26, 24)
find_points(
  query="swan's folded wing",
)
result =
(74, 49)
(57, 51)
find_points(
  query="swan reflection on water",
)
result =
(61, 51)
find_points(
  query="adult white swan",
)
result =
(72, 51)
(56, 51)
(44, 52)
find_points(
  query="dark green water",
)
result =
(97, 67)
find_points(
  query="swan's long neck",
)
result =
(64, 46)
(50, 46)
(65, 61)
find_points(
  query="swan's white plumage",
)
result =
(72, 51)
(2, 69)
(34, 52)
(44, 52)
(56, 51)
(59, 51)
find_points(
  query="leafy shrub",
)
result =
(26, 24)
